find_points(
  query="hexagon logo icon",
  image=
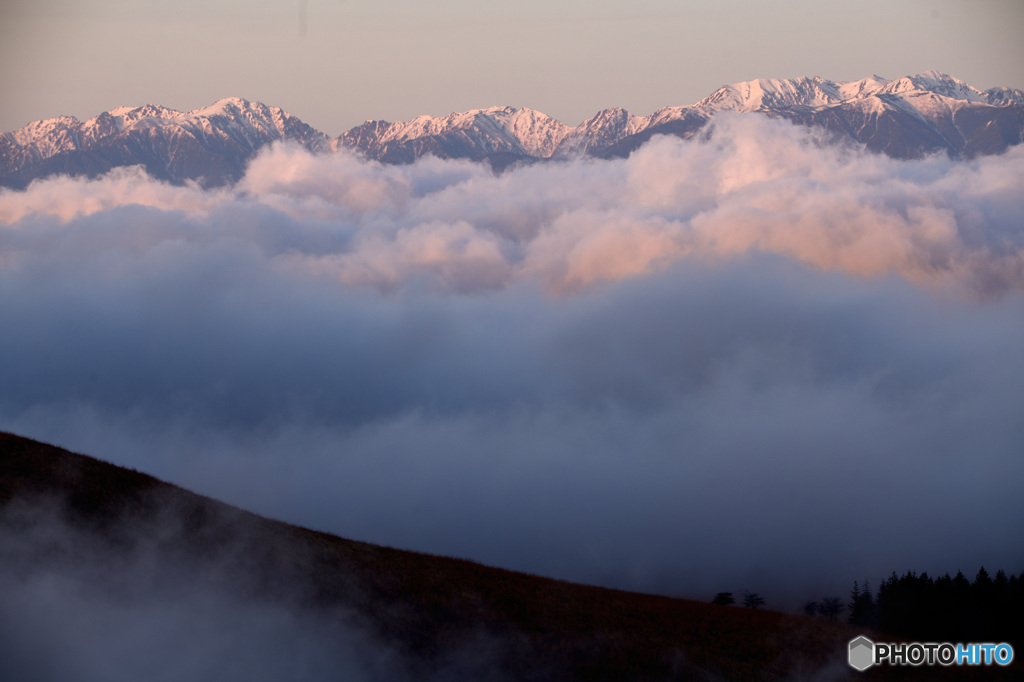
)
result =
(862, 653)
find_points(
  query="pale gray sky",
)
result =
(335, 63)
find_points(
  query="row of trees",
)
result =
(828, 608)
(944, 608)
(919, 607)
(751, 600)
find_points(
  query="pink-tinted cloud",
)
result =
(756, 185)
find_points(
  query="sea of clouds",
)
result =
(750, 362)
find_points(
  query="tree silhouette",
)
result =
(984, 605)
(723, 599)
(752, 600)
(861, 606)
(830, 608)
(946, 608)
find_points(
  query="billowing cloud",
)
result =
(753, 362)
(757, 185)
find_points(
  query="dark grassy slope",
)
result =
(438, 614)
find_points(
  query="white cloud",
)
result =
(757, 185)
(664, 372)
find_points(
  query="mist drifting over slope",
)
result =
(754, 362)
(76, 607)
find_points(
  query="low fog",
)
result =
(754, 362)
(78, 606)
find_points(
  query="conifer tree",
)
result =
(724, 599)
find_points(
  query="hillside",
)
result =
(123, 536)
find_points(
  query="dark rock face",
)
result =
(686, 128)
(962, 133)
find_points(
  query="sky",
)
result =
(336, 63)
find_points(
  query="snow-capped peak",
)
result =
(937, 83)
(765, 93)
(865, 87)
(46, 127)
(132, 114)
(224, 107)
(118, 119)
(496, 128)
(772, 93)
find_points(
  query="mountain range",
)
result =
(909, 117)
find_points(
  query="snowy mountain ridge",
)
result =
(906, 117)
(252, 120)
(500, 129)
(211, 144)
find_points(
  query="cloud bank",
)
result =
(754, 362)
